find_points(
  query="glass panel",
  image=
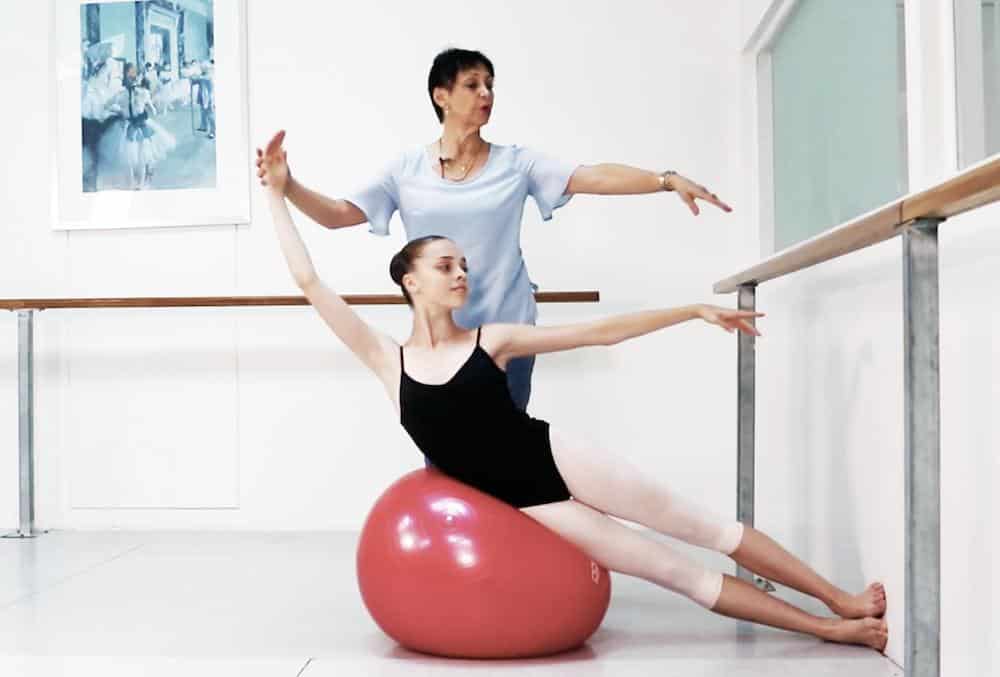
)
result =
(839, 114)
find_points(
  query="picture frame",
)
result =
(151, 121)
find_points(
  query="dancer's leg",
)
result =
(614, 486)
(626, 550)
(762, 555)
(740, 599)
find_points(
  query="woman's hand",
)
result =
(688, 190)
(272, 165)
(729, 319)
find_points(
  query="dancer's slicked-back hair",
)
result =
(402, 262)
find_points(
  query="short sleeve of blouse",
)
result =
(379, 198)
(548, 178)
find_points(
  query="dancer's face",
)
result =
(439, 276)
(470, 100)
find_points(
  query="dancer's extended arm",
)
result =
(377, 350)
(515, 340)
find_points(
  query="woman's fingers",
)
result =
(718, 203)
(704, 194)
(689, 201)
(689, 191)
(275, 143)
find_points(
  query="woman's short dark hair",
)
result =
(402, 262)
(446, 67)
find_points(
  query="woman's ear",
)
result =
(440, 96)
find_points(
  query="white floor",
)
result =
(249, 604)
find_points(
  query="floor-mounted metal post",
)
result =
(922, 463)
(746, 369)
(25, 425)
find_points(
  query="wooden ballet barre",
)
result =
(975, 187)
(223, 301)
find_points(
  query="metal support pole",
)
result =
(746, 374)
(746, 403)
(922, 406)
(25, 425)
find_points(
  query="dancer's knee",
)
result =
(697, 527)
(709, 590)
(700, 585)
(730, 537)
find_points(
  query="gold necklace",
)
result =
(465, 168)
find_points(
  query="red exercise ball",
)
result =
(446, 569)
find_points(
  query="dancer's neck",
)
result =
(433, 327)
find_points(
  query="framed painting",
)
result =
(150, 124)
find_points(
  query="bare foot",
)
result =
(870, 603)
(871, 632)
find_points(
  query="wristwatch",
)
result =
(663, 179)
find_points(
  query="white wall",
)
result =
(830, 390)
(257, 418)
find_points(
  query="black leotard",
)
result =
(471, 430)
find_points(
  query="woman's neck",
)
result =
(433, 327)
(458, 143)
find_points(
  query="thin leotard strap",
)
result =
(400, 358)
(478, 334)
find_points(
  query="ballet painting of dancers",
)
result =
(147, 88)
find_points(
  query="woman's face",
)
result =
(471, 98)
(439, 276)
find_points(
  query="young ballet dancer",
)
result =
(449, 387)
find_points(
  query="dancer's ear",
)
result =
(410, 283)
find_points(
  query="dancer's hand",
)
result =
(272, 165)
(729, 318)
(687, 190)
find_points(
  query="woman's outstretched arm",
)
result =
(516, 340)
(272, 170)
(372, 347)
(616, 179)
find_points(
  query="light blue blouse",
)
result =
(482, 215)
